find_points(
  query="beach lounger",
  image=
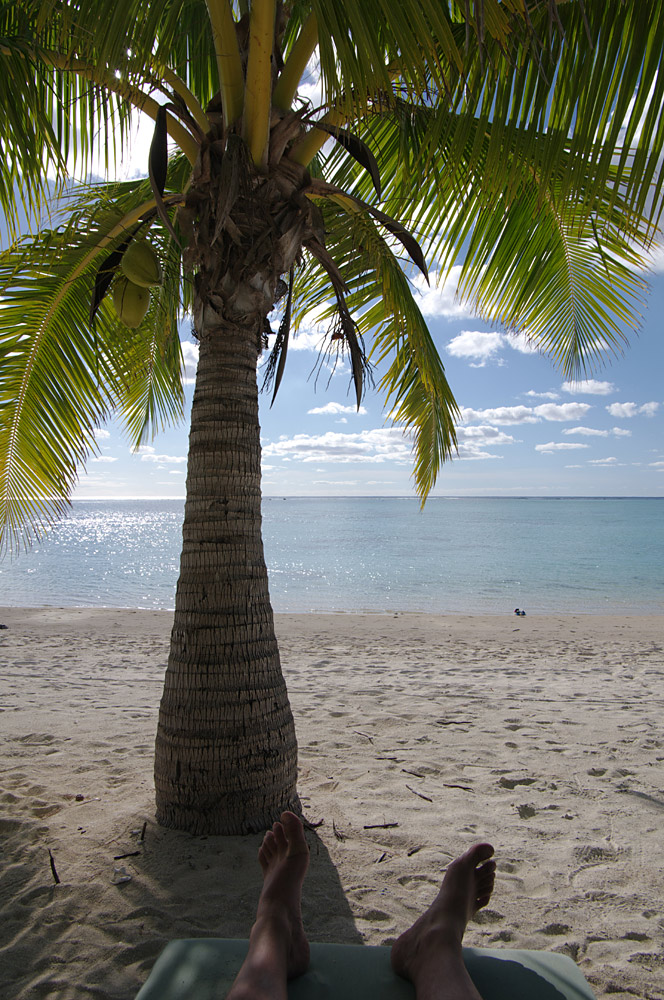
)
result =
(204, 968)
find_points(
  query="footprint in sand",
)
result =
(513, 782)
(590, 854)
(505, 935)
(43, 810)
(375, 916)
(487, 916)
(553, 930)
(407, 880)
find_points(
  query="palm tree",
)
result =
(519, 138)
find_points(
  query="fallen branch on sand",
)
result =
(56, 877)
(426, 797)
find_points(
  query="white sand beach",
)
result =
(418, 734)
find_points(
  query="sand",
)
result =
(419, 735)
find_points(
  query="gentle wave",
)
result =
(479, 555)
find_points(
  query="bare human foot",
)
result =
(284, 858)
(429, 953)
(278, 947)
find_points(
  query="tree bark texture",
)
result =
(226, 754)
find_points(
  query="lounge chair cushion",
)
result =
(204, 968)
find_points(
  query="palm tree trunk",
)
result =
(226, 754)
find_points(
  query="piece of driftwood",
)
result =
(366, 735)
(415, 792)
(337, 833)
(54, 871)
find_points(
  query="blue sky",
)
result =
(525, 431)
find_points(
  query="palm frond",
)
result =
(561, 264)
(573, 290)
(82, 72)
(580, 78)
(414, 383)
(60, 377)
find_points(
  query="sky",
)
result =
(525, 431)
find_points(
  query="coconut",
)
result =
(140, 264)
(131, 302)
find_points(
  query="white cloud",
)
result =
(656, 258)
(621, 432)
(148, 454)
(310, 86)
(190, 358)
(603, 461)
(627, 410)
(552, 446)
(474, 455)
(483, 434)
(500, 415)
(484, 346)
(562, 411)
(176, 472)
(473, 440)
(586, 431)
(622, 409)
(656, 465)
(386, 444)
(101, 434)
(526, 414)
(439, 297)
(136, 153)
(103, 458)
(542, 395)
(311, 331)
(589, 387)
(520, 342)
(335, 408)
(308, 338)
(475, 344)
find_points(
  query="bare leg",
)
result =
(429, 954)
(278, 948)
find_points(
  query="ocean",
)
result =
(459, 555)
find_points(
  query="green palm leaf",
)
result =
(559, 265)
(60, 377)
(414, 383)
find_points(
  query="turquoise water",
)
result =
(594, 555)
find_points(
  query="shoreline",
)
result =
(542, 734)
(11, 609)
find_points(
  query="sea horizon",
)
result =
(401, 496)
(485, 555)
